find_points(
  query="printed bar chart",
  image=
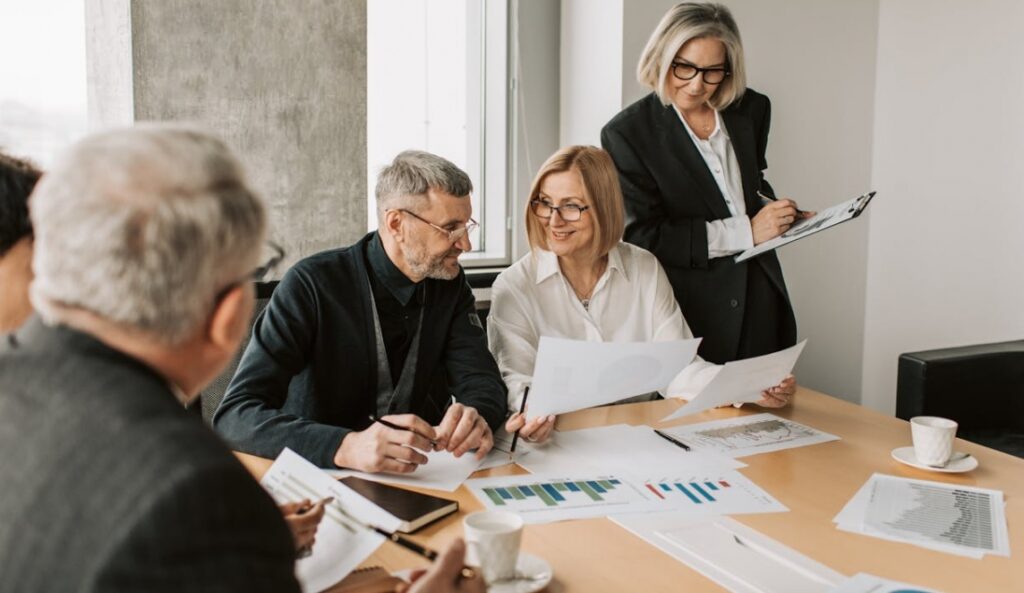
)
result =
(695, 492)
(552, 494)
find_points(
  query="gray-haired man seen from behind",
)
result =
(145, 239)
(386, 327)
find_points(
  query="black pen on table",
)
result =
(397, 427)
(672, 439)
(774, 199)
(522, 408)
(408, 544)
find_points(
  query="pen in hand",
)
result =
(522, 408)
(672, 440)
(397, 427)
(799, 212)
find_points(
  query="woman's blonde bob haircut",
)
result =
(683, 22)
(600, 190)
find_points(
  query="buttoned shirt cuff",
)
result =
(729, 236)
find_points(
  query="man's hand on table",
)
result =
(462, 429)
(383, 449)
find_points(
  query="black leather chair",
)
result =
(980, 386)
(210, 398)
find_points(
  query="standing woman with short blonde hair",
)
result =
(691, 159)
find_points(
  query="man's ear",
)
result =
(230, 318)
(392, 224)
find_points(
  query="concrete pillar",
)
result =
(285, 87)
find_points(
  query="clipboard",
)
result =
(821, 221)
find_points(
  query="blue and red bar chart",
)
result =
(697, 492)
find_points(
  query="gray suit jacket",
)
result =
(107, 484)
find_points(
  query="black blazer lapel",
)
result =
(678, 142)
(741, 133)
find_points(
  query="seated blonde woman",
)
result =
(581, 282)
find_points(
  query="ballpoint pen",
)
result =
(397, 427)
(672, 439)
(515, 437)
(774, 199)
(408, 544)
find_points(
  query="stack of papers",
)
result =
(748, 435)
(341, 544)
(617, 449)
(945, 517)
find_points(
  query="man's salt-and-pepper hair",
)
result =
(683, 22)
(144, 227)
(404, 183)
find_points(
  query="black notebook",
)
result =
(414, 509)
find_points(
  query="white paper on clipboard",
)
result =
(825, 219)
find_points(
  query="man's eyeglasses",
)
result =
(453, 235)
(568, 212)
(684, 71)
(260, 273)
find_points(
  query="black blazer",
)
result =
(309, 374)
(670, 194)
(110, 485)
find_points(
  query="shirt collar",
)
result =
(547, 264)
(719, 128)
(385, 271)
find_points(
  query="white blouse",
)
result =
(632, 302)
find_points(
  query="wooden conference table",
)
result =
(814, 482)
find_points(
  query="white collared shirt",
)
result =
(631, 302)
(726, 236)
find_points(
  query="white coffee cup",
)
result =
(492, 543)
(933, 439)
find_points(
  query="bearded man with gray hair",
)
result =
(385, 328)
(144, 241)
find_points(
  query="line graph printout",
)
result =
(946, 517)
(748, 435)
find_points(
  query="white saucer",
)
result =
(533, 572)
(906, 455)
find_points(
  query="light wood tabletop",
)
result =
(814, 482)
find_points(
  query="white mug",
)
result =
(492, 542)
(933, 439)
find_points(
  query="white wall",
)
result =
(946, 242)
(591, 68)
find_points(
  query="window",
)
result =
(42, 77)
(436, 78)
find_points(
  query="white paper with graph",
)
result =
(341, 545)
(540, 498)
(748, 435)
(946, 517)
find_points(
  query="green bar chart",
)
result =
(545, 498)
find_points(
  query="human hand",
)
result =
(462, 429)
(535, 431)
(774, 219)
(780, 395)
(303, 518)
(380, 448)
(445, 575)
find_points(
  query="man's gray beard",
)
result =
(430, 269)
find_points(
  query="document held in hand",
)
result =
(570, 375)
(825, 219)
(742, 381)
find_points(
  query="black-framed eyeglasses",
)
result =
(259, 274)
(567, 212)
(454, 235)
(684, 71)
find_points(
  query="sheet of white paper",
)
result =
(863, 582)
(707, 493)
(819, 222)
(949, 518)
(442, 471)
(733, 555)
(617, 449)
(544, 499)
(571, 375)
(742, 381)
(501, 454)
(340, 544)
(748, 435)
